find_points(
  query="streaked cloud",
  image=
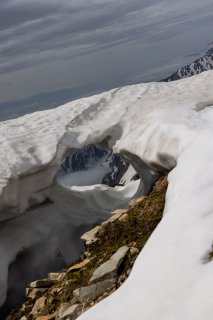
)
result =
(36, 33)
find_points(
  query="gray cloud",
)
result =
(30, 30)
(42, 32)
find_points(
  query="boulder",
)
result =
(109, 269)
(92, 292)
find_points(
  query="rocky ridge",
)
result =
(110, 252)
(200, 65)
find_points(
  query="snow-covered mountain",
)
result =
(200, 65)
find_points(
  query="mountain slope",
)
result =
(200, 65)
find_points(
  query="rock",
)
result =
(87, 254)
(90, 236)
(43, 283)
(135, 201)
(108, 270)
(23, 318)
(38, 306)
(116, 215)
(79, 266)
(113, 218)
(57, 290)
(71, 312)
(56, 276)
(47, 317)
(62, 308)
(35, 293)
(119, 211)
(134, 250)
(123, 217)
(92, 292)
(128, 272)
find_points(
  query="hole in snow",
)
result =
(92, 165)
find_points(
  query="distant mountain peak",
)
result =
(200, 65)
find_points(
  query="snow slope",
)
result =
(157, 127)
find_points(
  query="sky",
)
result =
(53, 51)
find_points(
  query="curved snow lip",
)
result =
(102, 198)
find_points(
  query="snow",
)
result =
(158, 127)
(173, 276)
(84, 178)
(128, 176)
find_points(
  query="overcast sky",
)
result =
(70, 47)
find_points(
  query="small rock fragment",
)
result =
(112, 218)
(43, 283)
(135, 201)
(56, 276)
(119, 211)
(87, 254)
(38, 306)
(90, 236)
(62, 308)
(47, 317)
(128, 272)
(79, 266)
(123, 217)
(71, 312)
(108, 270)
(35, 293)
(134, 250)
